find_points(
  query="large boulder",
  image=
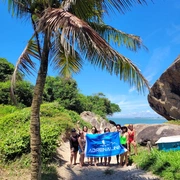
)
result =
(95, 120)
(164, 96)
(152, 132)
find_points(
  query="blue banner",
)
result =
(103, 145)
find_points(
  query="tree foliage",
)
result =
(102, 105)
(6, 70)
(66, 93)
(23, 91)
(62, 90)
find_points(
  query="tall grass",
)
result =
(164, 164)
(175, 122)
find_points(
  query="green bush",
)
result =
(15, 133)
(164, 164)
(7, 109)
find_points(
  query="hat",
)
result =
(73, 130)
(124, 127)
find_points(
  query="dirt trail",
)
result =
(112, 172)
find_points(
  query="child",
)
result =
(131, 138)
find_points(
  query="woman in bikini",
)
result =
(82, 143)
(131, 139)
(124, 140)
(85, 131)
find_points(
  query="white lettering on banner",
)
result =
(93, 150)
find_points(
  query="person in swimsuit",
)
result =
(73, 146)
(82, 143)
(124, 140)
(107, 160)
(131, 139)
(94, 131)
(85, 131)
(118, 129)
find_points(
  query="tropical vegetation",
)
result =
(64, 91)
(161, 163)
(66, 33)
(15, 135)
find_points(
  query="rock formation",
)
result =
(164, 96)
(152, 132)
(95, 120)
(144, 132)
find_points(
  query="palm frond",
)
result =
(128, 72)
(121, 5)
(113, 35)
(19, 7)
(67, 61)
(24, 63)
(118, 65)
(90, 45)
(106, 5)
(85, 10)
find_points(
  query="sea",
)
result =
(138, 120)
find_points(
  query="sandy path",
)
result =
(112, 172)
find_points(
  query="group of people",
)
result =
(78, 143)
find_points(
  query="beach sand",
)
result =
(100, 172)
(64, 172)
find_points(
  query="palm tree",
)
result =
(67, 32)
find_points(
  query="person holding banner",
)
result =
(118, 129)
(103, 145)
(106, 130)
(124, 140)
(94, 131)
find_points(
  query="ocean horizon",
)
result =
(137, 120)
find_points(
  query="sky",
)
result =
(156, 23)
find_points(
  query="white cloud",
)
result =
(132, 89)
(146, 113)
(132, 106)
(155, 62)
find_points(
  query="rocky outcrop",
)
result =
(152, 132)
(164, 96)
(95, 120)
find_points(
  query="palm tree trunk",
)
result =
(35, 113)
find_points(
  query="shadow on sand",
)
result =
(112, 172)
